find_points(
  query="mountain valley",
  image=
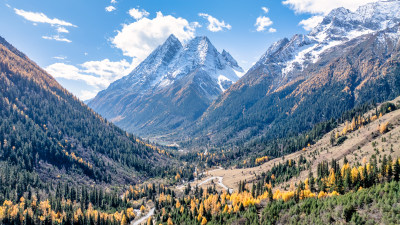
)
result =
(310, 134)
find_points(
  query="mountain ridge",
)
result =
(303, 70)
(52, 132)
(171, 87)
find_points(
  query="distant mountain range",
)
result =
(350, 58)
(171, 88)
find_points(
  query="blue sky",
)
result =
(88, 44)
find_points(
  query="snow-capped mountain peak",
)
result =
(200, 54)
(172, 61)
(173, 85)
(230, 60)
(339, 26)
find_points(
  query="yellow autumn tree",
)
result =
(150, 221)
(204, 221)
(353, 124)
(322, 194)
(142, 208)
(331, 178)
(124, 220)
(383, 127)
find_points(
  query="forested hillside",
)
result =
(302, 81)
(350, 175)
(61, 162)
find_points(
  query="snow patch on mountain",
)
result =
(173, 61)
(338, 27)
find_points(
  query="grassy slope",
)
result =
(323, 150)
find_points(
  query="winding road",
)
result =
(144, 218)
(219, 183)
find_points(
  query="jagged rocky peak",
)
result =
(339, 26)
(228, 57)
(170, 47)
(367, 18)
(173, 86)
(200, 50)
(163, 54)
(171, 40)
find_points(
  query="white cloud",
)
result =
(70, 72)
(62, 30)
(265, 9)
(113, 1)
(272, 30)
(310, 23)
(138, 13)
(108, 70)
(57, 38)
(110, 8)
(324, 6)
(140, 38)
(98, 74)
(86, 95)
(37, 17)
(214, 24)
(262, 23)
(61, 57)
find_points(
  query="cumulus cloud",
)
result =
(113, 1)
(138, 13)
(310, 23)
(262, 23)
(108, 70)
(98, 74)
(215, 25)
(70, 72)
(272, 30)
(110, 8)
(320, 8)
(139, 38)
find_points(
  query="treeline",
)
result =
(365, 206)
(26, 199)
(279, 173)
(236, 155)
(330, 181)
